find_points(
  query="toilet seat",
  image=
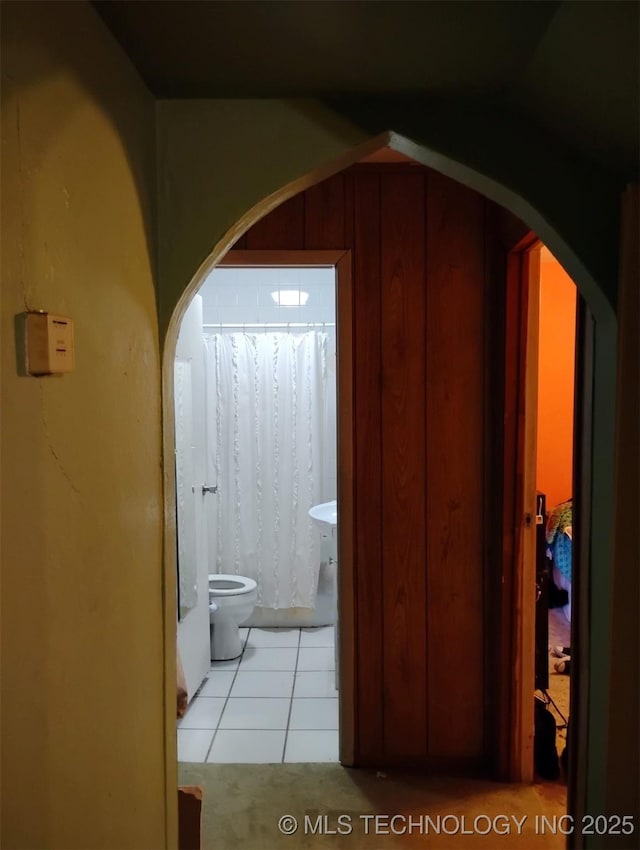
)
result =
(223, 584)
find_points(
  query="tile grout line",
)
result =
(215, 731)
(293, 688)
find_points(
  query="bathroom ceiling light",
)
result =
(290, 297)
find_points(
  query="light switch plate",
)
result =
(49, 344)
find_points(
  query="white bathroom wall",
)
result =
(243, 295)
(193, 627)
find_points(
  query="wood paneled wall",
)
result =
(423, 403)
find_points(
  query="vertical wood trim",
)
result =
(403, 465)
(512, 378)
(347, 576)
(515, 739)
(519, 465)
(428, 500)
(368, 451)
(578, 734)
(455, 352)
(525, 579)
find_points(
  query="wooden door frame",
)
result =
(517, 657)
(517, 672)
(577, 734)
(341, 261)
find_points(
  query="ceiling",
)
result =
(572, 66)
(302, 49)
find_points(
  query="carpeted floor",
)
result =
(334, 808)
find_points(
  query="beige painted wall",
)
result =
(217, 159)
(82, 667)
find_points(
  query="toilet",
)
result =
(231, 601)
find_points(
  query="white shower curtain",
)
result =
(266, 446)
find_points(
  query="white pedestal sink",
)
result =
(325, 516)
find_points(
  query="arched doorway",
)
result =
(289, 191)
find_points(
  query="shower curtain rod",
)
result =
(268, 325)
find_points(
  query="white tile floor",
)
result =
(276, 703)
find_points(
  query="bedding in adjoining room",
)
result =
(559, 548)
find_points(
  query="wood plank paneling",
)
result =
(346, 575)
(367, 366)
(283, 228)
(403, 465)
(324, 214)
(455, 348)
(421, 434)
